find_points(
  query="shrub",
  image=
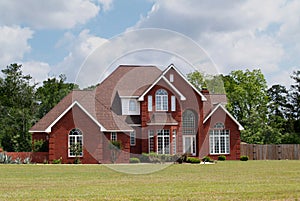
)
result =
(5, 159)
(40, 146)
(221, 158)
(244, 158)
(57, 161)
(207, 159)
(192, 160)
(134, 160)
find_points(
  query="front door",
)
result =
(189, 144)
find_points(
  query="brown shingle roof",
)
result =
(162, 119)
(126, 80)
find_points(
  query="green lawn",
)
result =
(229, 180)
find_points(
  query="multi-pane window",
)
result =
(174, 142)
(149, 103)
(75, 142)
(132, 138)
(161, 100)
(189, 123)
(163, 141)
(219, 139)
(190, 144)
(132, 105)
(151, 140)
(113, 136)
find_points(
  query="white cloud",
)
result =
(62, 14)
(13, 43)
(107, 4)
(39, 71)
(236, 34)
(79, 48)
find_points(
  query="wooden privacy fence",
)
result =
(271, 151)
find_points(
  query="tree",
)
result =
(17, 109)
(247, 102)
(196, 79)
(214, 83)
(51, 92)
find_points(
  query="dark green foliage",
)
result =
(244, 158)
(51, 92)
(57, 161)
(207, 159)
(134, 160)
(193, 160)
(221, 158)
(17, 109)
(40, 146)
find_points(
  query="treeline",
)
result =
(269, 115)
(23, 102)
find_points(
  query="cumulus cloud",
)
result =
(236, 34)
(39, 71)
(61, 14)
(79, 48)
(13, 43)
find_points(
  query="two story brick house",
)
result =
(146, 110)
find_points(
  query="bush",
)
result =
(57, 161)
(40, 146)
(134, 160)
(192, 160)
(221, 158)
(244, 158)
(207, 159)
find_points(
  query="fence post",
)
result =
(279, 152)
(254, 152)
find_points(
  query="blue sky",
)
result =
(57, 36)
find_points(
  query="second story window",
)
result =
(161, 100)
(132, 105)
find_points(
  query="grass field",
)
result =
(229, 180)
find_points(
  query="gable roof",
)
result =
(226, 111)
(172, 66)
(88, 104)
(162, 77)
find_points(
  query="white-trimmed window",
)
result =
(132, 138)
(173, 103)
(113, 136)
(189, 142)
(132, 105)
(219, 139)
(75, 139)
(149, 103)
(163, 141)
(189, 123)
(161, 100)
(151, 140)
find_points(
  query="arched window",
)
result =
(219, 139)
(161, 100)
(189, 122)
(189, 131)
(75, 143)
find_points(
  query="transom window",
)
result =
(161, 100)
(75, 142)
(219, 139)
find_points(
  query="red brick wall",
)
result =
(122, 156)
(92, 138)
(235, 141)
